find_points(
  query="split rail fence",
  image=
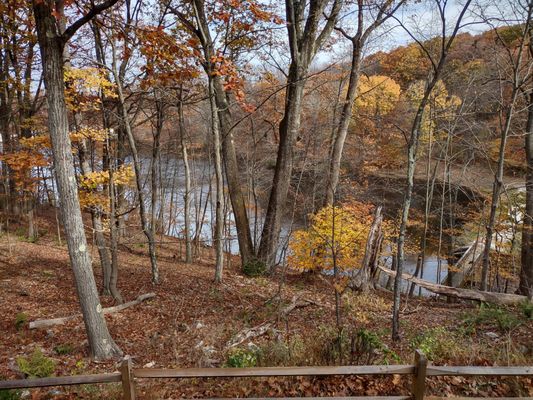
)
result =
(419, 371)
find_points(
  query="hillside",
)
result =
(191, 321)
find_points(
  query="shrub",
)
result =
(241, 358)
(254, 268)
(64, 348)
(527, 309)
(498, 317)
(20, 320)
(437, 343)
(367, 347)
(10, 394)
(36, 366)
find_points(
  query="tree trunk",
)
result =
(187, 195)
(96, 218)
(288, 130)
(526, 271)
(219, 209)
(146, 227)
(52, 45)
(242, 224)
(496, 191)
(344, 123)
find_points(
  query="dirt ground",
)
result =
(192, 320)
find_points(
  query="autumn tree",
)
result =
(52, 40)
(437, 65)
(358, 40)
(308, 28)
(515, 53)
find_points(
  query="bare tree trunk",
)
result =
(52, 45)
(412, 151)
(288, 130)
(526, 271)
(363, 281)
(203, 33)
(219, 208)
(146, 226)
(344, 123)
(187, 195)
(305, 39)
(358, 41)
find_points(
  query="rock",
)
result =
(151, 364)
(199, 325)
(491, 335)
(25, 394)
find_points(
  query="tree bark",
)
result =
(187, 194)
(288, 130)
(526, 271)
(52, 46)
(219, 208)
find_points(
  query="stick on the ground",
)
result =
(46, 323)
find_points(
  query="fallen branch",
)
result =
(263, 328)
(250, 333)
(467, 294)
(45, 323)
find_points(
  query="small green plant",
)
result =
(37, 365)
(527, 309)
(254, 268)
(497, 317)
(63, 349)
(436, 343)
(242, 358)
(20, 320)
(367, 347)
(8, 394)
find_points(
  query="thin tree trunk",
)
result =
(187, 194)
(526, 271)
(146, 226)
(219, 208)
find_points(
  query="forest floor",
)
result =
(191, 321)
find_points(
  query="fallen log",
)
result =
(466, 294)
(46, 323)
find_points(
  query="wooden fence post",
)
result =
(419, 380)
(128, 387)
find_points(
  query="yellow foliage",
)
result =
(122, 176)
(83, 86)
(377, 94)
(336, 232)
(96, 135)
(441, 106)
(38, 143)
(89, 183)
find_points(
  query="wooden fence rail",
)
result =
(420, 370)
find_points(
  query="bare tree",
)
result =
(358, 41)
(307, 33)
(437, 65)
